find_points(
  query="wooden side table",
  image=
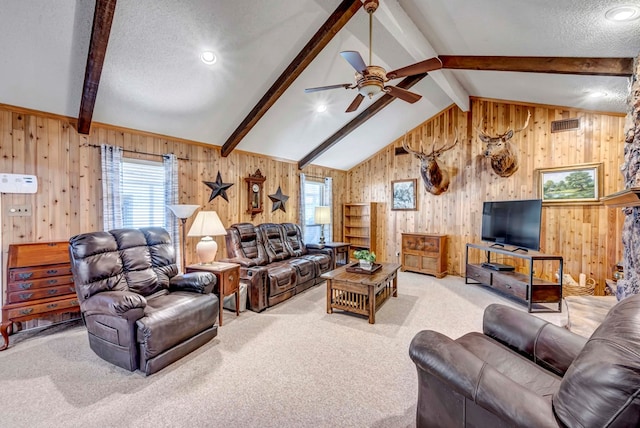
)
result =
(341, 252)
(228, 276)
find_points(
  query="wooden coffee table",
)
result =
(361, 293)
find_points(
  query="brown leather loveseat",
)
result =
(139, 312)
(525, 372)
(275, 262)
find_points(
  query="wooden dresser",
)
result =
(424, 253)
(39, 283)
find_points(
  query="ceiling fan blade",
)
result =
(324, 88)
(417, 68)
(355, 103)
(403, 94)
(356, 61)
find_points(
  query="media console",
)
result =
(531, 290)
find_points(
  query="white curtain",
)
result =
(170, 163)
(328, 200)
(301, 220)
(111, 158)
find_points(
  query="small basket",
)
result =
(577, 290)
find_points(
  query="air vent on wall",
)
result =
(565, 125)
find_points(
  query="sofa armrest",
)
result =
(472, 377)
(197, 282)
(242, 261)
(548, 345)
(122, 304)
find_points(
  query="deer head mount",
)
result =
(436, 179)
(503, 155)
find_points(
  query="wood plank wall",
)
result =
(587, 236)
(69, 202)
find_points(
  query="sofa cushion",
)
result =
(97, 264)
(281, 277)
(171, 318)
(602, 386)
(293, 239)
(136, 260)
(243, 241)
(162, 252)
(273, 240)
(511, 364)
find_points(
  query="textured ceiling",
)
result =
(154, 81)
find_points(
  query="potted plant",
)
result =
(366, 258)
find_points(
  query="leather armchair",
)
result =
(139, 312)
(525, 372)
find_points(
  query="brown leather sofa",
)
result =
(139, 312)
(275, 262)
(525, 372)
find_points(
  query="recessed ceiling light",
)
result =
(208, 57)
(623, 13)
(321, 108)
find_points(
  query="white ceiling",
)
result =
(153, 79)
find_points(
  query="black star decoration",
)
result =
(278, 200)
(218, 188)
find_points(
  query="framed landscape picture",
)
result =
(403, 195)
(576, 184)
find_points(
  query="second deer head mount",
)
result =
(436, 179)
(503, 155)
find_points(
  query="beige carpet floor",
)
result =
(293, 365)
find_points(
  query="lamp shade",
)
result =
(183, 211)
(207, 224)
(322, 215)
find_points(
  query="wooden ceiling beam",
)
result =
(557, 65)
(102, 19)
(366, 114)
(343, 13)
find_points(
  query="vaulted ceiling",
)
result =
(153, 79)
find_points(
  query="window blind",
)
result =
(143, 193)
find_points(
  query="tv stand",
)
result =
(536, 293)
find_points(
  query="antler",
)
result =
(409, 150)
(444, 148)
(480, 131)
(526, 122)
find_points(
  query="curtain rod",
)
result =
(133, 151)
(314, 176)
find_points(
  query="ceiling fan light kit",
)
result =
(370, 79)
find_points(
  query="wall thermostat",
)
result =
(18, 183)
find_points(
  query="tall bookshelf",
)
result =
(360, 223)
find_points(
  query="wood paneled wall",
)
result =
(69, 194)
(587, 236)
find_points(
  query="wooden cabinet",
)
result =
(360, 224)
(39, 283)
(535, 292)
(424, 253)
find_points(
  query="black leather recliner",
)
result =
(526, 372)
(139, 312)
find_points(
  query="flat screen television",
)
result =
(514, 223)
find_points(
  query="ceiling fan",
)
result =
(370, 79)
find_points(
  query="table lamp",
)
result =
(322, 216)
(207, 224)
(183, 212)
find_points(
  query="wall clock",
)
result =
(255, 184)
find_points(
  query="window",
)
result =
(142, 193)
(315, 194)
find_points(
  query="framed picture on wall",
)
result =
(575, 184)
(403, 195)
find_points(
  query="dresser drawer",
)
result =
(40, 283)
(40, 293)
(14, 311)
(28, 273)
(478, 273)
(421, 243)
